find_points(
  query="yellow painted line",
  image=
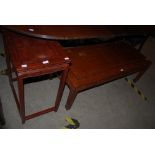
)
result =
(72, 123)
(69, 120)
(131, 83)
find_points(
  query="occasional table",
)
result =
(32, 57)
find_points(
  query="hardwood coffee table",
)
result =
(94, 65)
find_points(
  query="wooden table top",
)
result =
(65, 32)
(29, 54)
(60, 32)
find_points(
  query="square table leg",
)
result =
(21, 99)
(61, 88)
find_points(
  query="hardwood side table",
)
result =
(32, 57)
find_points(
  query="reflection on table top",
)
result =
(62, 31)
(65, 32)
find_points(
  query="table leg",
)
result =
(21, 99)
(71, 98)
(61, 88)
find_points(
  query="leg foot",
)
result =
(21, 99)
(70, 100)
(61, 89)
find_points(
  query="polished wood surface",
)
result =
(32, 57)
(65, 32)
(61, 31)
(33, 52)
(97, 64)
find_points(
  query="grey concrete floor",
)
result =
(113, 105)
